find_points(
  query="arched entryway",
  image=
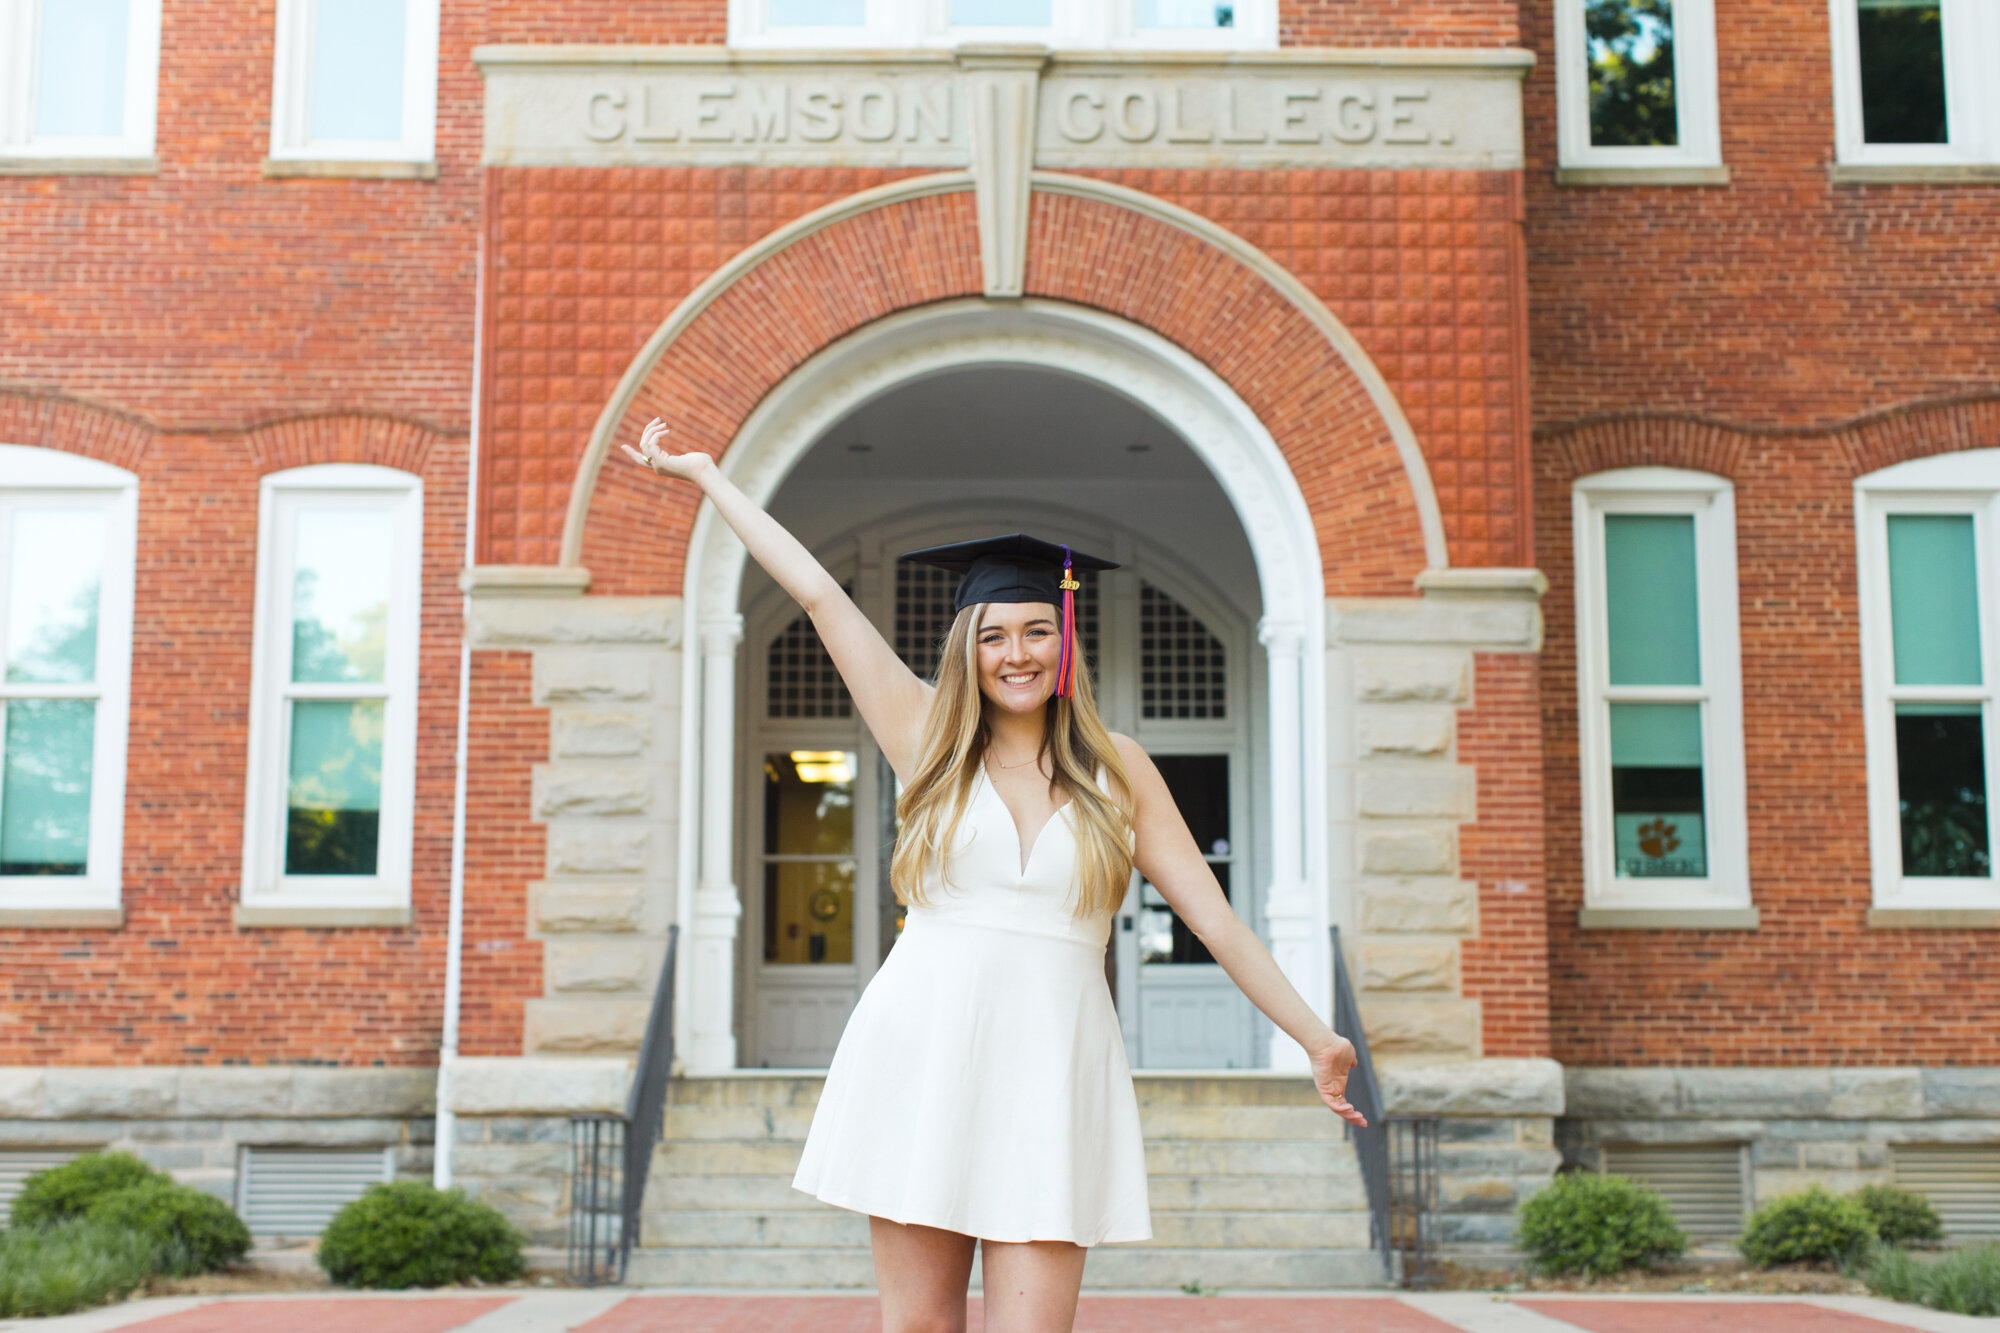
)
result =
(1228, 472)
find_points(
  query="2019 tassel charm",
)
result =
(1066, 663)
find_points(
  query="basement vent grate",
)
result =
(1962, 1181)
(296, 1191)
(1704, 1187)
(17, 1164)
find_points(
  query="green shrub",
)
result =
(409, 1234)
(1963, 1282)
(190, 1231)
(67, 1191)
(1806, 1228)
(1584, 1223)
(68, 1265)
(1900, 1216)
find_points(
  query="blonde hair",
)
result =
(953, 748)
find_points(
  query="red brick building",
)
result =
(1549, 448)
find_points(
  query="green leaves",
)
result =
(409, 1234)
(1585, 1223)
(1808, 1227)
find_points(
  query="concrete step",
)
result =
(822, 1227)
(1166, 1269)
(1200, 1157)
(1206, 1229)
(773, 1267)
(827, 1227)
(703, 1121)
(1339, 1192)
(1127, 1267)
(671, 1193)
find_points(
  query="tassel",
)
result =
(1066, 662)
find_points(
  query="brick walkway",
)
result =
(557, 1311)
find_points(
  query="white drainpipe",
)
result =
(455, 933)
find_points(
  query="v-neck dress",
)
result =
(981, 1083)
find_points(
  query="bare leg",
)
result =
(922, 1274)
(1031, 1287)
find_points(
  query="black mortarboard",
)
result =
(1017, 568)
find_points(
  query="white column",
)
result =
(711, 953)
(1290, 918)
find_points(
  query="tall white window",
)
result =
(1914, 82)
(67, 527)
(1660, 693)
(332, 767)
(355, 81)
(1928, 618)
(81, 78)
(1636, 88)
(1063, 24)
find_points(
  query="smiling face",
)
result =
(1019, 647)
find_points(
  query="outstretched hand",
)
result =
(1331, 1066)
(651, 456)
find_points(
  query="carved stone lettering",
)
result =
(606, 106)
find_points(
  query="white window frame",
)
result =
(280, 496)
(36, 473)
(1074, 25)
(1955, 483)
(291, 91)
(1695, 97)
(20, 47)
(1710, 500)
(1971, 91)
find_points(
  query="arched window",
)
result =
(332, 775)
(67, 533)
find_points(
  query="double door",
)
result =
(819, 806)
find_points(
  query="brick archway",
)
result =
(915, 242)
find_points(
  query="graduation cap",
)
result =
(1018, 568)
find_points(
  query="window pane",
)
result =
(336, 787)
(1656, 791)
(809, 802)
(55, 563)
(1187, 13)
(45, 787)
(1902, 72)
(1629, 45)
(819, 13)
(1001, 13)
(357, 69)
(80, 82)
(1652, 613)
(1941, 780)
(340, 595)
(1934, 599)
(809, 912)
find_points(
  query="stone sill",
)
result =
(62, 918)
(524, 580)
(1662, 918)
(1915, 173)
(1642, 175)
(325, 168)
(1934, 918)
(80, 166)
(278, 918)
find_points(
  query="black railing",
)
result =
(1397, 1154)
(610, 1153)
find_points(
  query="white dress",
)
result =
(981, 1084)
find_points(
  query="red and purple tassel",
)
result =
(1066, 663)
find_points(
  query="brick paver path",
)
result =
(345, 1314)
(1097, 1314)
(1707, 1316)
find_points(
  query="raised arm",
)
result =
(1170, 860)
(891, 698)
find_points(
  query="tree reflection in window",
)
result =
(1629, 46)
(1902, 72)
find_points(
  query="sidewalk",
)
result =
(623, 1311)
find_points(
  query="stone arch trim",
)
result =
(1092, 243)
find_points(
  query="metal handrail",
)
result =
(608, 1144)
(1371, 1145)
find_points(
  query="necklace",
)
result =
(1030, 759)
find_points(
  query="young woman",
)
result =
(980, 1095)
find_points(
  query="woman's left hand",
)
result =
(1331, 1064)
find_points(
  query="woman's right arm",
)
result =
(891, 698)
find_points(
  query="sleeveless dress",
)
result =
(981, 1083)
